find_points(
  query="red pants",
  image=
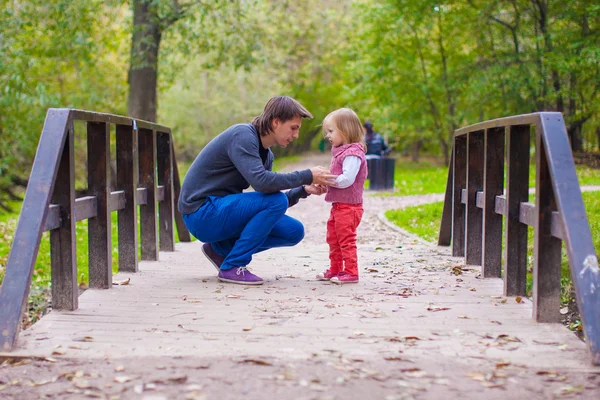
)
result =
(341, 237)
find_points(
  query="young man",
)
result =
(234, 225)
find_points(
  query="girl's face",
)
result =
(334, 136)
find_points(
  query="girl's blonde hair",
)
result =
(347, 122)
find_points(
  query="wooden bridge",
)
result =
(421, 321)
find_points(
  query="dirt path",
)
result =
(419, 325)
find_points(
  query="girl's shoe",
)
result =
(343, 278)
(326, 275)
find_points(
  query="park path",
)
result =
(419, 325)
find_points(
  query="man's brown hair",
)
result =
(283, 108)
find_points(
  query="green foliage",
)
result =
(55, 53)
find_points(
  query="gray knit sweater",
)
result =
(230, 163)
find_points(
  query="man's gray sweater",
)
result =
(230, 163)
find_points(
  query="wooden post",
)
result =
(99, 227)
(148, 211)
(493, 185)
(474, 223)
(445, 235)
(165, 178)
(517, 192)
(65, 291)
(459, 183)
(546, 248)
(127, 179)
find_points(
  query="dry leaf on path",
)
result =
(123, 282)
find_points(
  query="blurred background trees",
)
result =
(417, 69)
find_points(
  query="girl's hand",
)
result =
(315, 189)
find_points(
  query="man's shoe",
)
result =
(326, 275)
(343, 278)
(215, 258)
(239, 275)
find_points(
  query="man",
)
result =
(376, 146)
(234, 225)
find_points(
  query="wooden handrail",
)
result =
(477, 200)
(146, 175)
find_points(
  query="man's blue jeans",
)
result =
(240, 225)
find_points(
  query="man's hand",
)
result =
(322, 176)
(315, 189)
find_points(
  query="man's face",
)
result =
(286, 132)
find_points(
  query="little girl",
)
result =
(345, 133)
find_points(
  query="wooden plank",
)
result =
(546, 248)
(445, 234)
(127, 178)
(459, 183)
(85, 208)
(493, 186)
(52, 218)
(517, 192)
(182, 231)
(525, 119)
(474, 215)
(62, 240)
(160, 193)
(165, 179)
(527, 214)
(92, 116)
(99, 228)
(500, 205)
(21, 260)
(117, 200)
(578, 240)
(479, 200)
(148, 211)
(141, 196)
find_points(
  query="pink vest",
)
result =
(354, 193)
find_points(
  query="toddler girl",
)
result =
(345, 132)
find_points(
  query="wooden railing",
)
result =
(146, 174)
(477, 200)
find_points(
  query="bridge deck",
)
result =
(410, 316)
(177, 307)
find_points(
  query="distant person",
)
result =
(345, 133)
(376, 147)
(234, 225)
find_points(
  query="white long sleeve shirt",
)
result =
(350, 169)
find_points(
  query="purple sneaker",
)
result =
(215, 258)
(239, 275)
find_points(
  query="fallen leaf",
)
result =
(255, 361)
(463, 317)
(122, 379)
(564, 310)
(437, 308)
(518, 299)
(123, 282)
(84, 339)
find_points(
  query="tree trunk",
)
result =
(143, 67)
(575, 133)
(416, 148)
(598, 137)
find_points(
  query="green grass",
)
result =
(418, 178)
